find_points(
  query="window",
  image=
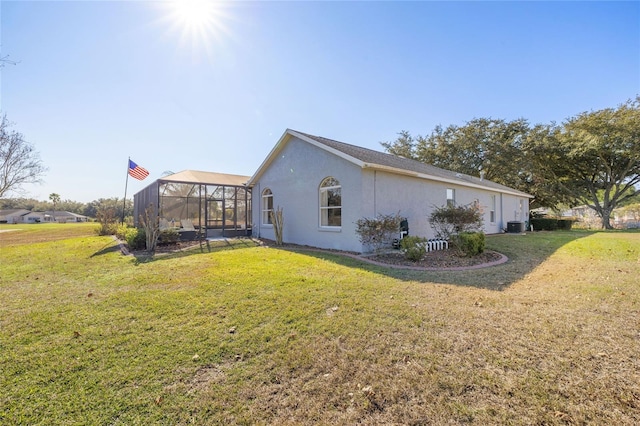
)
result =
(330, 203)
(492, 209)
(267, 206)
(451, 197)
(519, 212)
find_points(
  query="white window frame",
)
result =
(267, 207)
(451, 197)
(324, 210)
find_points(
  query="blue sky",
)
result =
(100, 81)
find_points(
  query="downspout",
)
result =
(200, 213)
(501, 213)
(259, 206)
(375, 201)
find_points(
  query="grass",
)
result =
(255, 335)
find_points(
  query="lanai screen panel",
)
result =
(205, 206)
(181, 202)
(142, 200)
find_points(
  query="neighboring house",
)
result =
(324, 186)
(54, 216)
(13, 215)
(627, 217)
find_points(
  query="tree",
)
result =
(19, 162)
(55, 199)
(5, 60)
(594, 158)
(492, 148)
(91, 209)
(151, 225)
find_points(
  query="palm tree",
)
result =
(55, 199)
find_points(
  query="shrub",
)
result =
(136, 238)
(378, 232)
(471, 243)
(565, 224)
(107, 219)
(168, 236)
(151, 225)
(544, 224)
(122, 231)
(277, 218)
(448, 221)
(414, 248)
(551, 224)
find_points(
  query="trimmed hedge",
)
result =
(551, 224)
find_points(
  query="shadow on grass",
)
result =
(108, 248)
(525, 253)
(201, 247)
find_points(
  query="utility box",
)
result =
(515, 227)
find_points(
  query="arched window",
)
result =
(330, 203)
(267, 206)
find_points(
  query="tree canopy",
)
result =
(591, 159)
(594, 158)
(494, 148)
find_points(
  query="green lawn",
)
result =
(253, 335)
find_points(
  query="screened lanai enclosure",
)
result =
(198, 204)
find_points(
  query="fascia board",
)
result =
(281, 144)
(324, 147)
(270, 157)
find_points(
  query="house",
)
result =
(28, 216)
(324, 186)
(627, 217)
(59, 216)
(13, 215)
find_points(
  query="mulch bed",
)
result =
(445, 259)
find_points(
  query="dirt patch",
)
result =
(200, 381)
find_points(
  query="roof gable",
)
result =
(368, 158)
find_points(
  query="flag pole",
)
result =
(124, 203)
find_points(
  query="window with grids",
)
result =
(330, 203)
(267, 206)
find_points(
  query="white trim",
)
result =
(327, 208)
(265, 208)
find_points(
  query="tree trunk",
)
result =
(606, 218)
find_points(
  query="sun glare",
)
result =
(199, 24)
(194, 13)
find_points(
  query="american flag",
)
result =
(137, 172)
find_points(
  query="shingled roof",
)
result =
(368, 158)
